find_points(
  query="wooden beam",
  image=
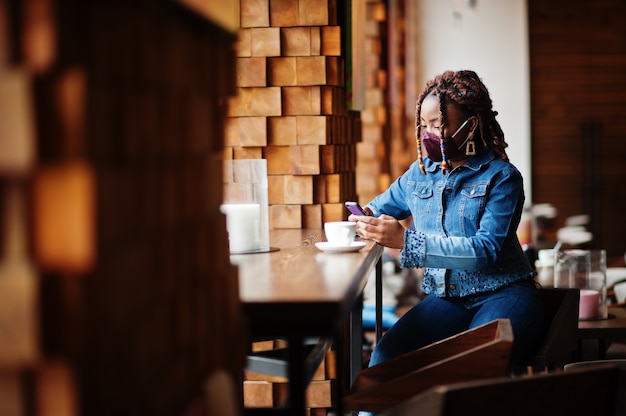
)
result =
(284, 13)
(331, 40)
(256, 102)
(251, 72)
(282, 71)
(254, 13)
(299, 101)
(253, 131)
(286, 216)
(282, 131)
(296, 41)
(313, 129)
(265, 41)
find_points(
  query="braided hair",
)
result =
(467, 90)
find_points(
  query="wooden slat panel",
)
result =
(577, 79)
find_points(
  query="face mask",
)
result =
(432, 143)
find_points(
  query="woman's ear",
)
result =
(474, 123)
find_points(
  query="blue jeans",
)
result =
(434, 319)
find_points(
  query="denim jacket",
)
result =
(465, 224)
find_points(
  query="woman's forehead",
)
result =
(431, 105)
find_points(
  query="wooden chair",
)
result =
(591, 391)
(620, 407)
(559, 342)
(479, 353)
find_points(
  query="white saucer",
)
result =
(327, 247)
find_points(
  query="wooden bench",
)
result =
(478, 353)
(589, 391)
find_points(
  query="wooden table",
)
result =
(604, 330)
(299, 291)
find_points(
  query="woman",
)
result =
(466, 200)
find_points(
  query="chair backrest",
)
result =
(589, 391)
(559, 341)
(620, 409)
(478, 353)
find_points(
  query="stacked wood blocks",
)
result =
(117, 295)
(372, 169)
(402, 66)
(263, 391)
(388, 146)
(291, 109)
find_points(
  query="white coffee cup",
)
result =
(340, 233)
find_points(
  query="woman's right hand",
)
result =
(385, 230)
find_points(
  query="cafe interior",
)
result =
(167, 168)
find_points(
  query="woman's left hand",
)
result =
(385, 230)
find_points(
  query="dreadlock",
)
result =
(467, 90)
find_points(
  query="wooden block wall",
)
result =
(266, 391)
(372, 170)
(403, 67)
(388, 141)
(291, 109)
(117, 295)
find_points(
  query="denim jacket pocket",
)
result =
(423, 190)
(473, 200)
(421, 202)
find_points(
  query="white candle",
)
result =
(243, 222)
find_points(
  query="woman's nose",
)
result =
(431, 129)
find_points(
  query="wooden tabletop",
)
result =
(300, 289)
(611, 328)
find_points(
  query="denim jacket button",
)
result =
(452, 287)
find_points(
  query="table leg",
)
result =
(297, 384)
(379, 299)
(355, 348)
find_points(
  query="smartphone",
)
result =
(355, 208)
